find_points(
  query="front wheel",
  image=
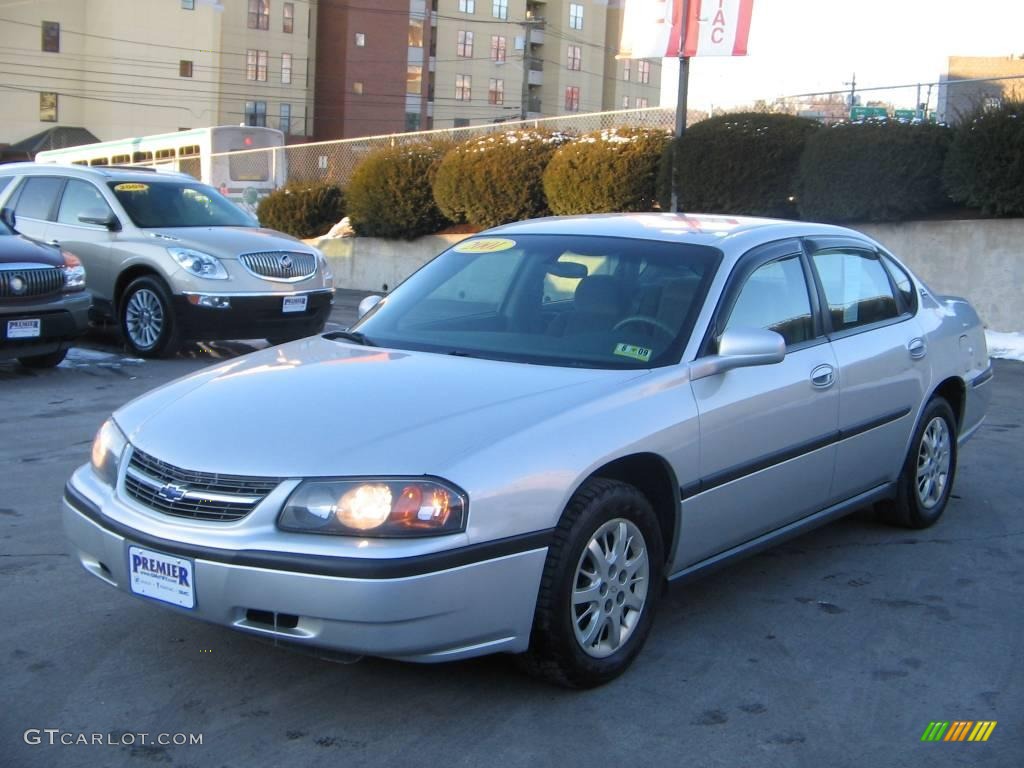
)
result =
(601, 582)
(147, 318)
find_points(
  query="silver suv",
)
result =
(169, 258)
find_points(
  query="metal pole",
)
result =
(682, 93)
(525, 108)
(917, 104)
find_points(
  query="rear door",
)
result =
(90, 242)
(882, 357)
(767, 433)
(35, 205)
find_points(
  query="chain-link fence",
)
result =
(334, 161)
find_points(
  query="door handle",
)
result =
(823, 377)
(52, 242)
(917, 348)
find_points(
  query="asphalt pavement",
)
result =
(835, 649)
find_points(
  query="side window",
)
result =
(857, 288)
(38, 197)
(79, 196)
(903, 283)
(775, 298)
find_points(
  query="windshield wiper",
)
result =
(355, 336)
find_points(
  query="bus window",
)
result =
(142, 157)
(99, 161)
(249, 166)
(79, 162)
(121, 159)
(164, 154)
(191, 151)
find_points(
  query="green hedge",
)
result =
(744, 163)
(873, 171)
(611, 170)
(985, 165)
(391, 195)
(497, 178)
(302, 210)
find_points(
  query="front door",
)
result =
(89, 242)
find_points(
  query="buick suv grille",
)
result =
(196, 495)
(287, 266)
(32, 281)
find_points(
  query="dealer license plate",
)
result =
(24, 329)
(294, 304)
(162, 577)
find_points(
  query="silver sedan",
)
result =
(518, 447)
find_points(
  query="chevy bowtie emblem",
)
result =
(285, 262)
(17, 285)
(171, 492)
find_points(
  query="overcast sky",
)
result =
(798, 46)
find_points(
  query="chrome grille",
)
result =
(196, 495)
(286, 266)
(19, 283)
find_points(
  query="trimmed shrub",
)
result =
(985, 165)
(302, 210)
(874, 171)
(497, 178)
(744, 163)
(391, 195)
(611, 170)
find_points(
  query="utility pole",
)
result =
(853, 90)
(682, 95)
(528, 26)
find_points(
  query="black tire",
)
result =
(555, 653)
(167, 340)
(908, 509)
(49, 360)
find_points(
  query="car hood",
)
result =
(228, 242)
(18, 249)
(318, 407)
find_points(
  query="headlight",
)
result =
(199, 264)
(74, 272)
(107, 448)
(325, 269)
(387, 507)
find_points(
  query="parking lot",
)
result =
(837, 648)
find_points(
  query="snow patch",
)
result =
(1009, 346)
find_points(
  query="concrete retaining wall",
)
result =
(980, 260)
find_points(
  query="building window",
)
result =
(463, 87)
(184, 68)
(496, 91)
(641, 102)
(286, 68)
(499, 9)
(627, 66)
(625, 102)
(464, 47)
(48, 107)
(259, 14)
(572, 98)
(461, 122)
(357, 87)
(643, 71)
(188, 5)
(575, 58)
(414, 79)
(256, 113)
(360, 40)
(256, 65)
(467, 6)
(415, 33)
(498, 48)
(575, 16)
(285, 120)
(288, 20)
(51, 37)
(412, 121)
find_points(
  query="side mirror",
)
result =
(99, 217)
(7, 217)
(741, 348)
(368, 303)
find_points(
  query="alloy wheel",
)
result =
(144, 318)
(933, 462)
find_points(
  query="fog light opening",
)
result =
(210, 302)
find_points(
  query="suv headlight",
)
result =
(325, 269)
(74, 272)
(107, 449)
(199, 264)
(386, 507)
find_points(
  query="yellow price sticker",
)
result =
(132, 186)
(485, 245)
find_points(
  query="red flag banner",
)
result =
(654, 28)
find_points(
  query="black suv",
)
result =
(43, 301)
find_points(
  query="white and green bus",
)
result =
(244, 163)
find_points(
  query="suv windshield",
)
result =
(599, 302)
(159, 203)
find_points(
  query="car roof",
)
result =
(725, 232)
(106, 172)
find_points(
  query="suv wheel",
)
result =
(147, 318)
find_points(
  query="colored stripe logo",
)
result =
(958, 730)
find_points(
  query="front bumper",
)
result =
(253, 316)
(445, 606)
(62, 320)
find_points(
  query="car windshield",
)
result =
(159, 203)
(583, 301)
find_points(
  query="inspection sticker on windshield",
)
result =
(643, 354)
(485, 245)
(132, 186)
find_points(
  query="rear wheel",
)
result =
(147, 318)
(49, 360)
(926, 480)
(601, 582)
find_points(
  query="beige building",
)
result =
(121, 68)
(985, 81)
